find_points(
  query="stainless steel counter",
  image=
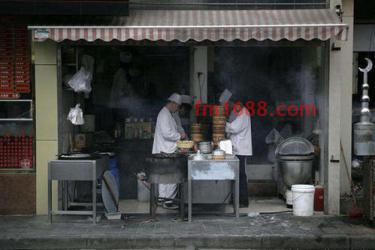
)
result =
(208, 169)
(75, 170)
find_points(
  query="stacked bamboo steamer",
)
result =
(218, 124)
(196, 132)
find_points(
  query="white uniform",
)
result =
(165, 140)
(239, 132)
(166, 133)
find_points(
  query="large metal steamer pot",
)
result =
(364, 138)
(295, 169)
(295, 159)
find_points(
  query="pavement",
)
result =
(264, 231)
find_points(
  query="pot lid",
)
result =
(295, 157)
(76, 156)
(110, 154)
(294, 146)
(167, 156)
(205, 143)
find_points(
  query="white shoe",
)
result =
(170, 205)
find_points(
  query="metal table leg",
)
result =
(153, 200)
(50, 200)
(65, 194)
(94, 201)
(182, 201)
(236, 197)
(189, 200)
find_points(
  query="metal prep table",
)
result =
(75, 170)
(203, 170)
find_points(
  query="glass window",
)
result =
(16, 105)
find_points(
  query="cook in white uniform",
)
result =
(166, 137)
(239, 131)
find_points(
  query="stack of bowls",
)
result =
(218, 124)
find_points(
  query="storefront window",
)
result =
(282, 84)
(16, 112)
(130, 86)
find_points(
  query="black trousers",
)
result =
(244, 196)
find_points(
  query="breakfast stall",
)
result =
(131, 65)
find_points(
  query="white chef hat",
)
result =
(175, 98)
(225, 96)
(126, 57)
(186, 99)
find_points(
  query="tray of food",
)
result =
(185, 144)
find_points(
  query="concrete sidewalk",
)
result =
(276, 231)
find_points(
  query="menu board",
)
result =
(14, 62)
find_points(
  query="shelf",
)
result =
(17, 170)
(16, 100)
(16, 119)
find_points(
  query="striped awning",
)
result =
(200, 25)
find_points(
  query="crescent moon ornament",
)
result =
(368, 67)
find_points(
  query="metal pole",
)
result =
(49, 194)
(94, 194)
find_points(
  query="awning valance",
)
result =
(200, 25)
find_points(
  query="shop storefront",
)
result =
(17, 161)
(277, 62)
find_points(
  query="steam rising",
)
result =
(274, 75)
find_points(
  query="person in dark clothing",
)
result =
(244, 195)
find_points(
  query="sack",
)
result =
(81, 81)
(75, 115)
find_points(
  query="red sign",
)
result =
(14, 62)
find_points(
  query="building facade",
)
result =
(329, 56)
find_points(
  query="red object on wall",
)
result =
(319, 198)
(15, 61)
(16, 152)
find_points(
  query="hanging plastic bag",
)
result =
(75, 115)
(81, 81)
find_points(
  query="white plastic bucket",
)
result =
(303, 200)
